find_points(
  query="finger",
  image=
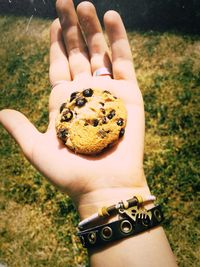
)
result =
(59, 66)
(98, 49)
(74, 41)
(122, 62)
(21, 129)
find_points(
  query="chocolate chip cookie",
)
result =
(91, 120)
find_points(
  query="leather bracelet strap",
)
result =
(125, 227)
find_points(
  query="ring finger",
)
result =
(98, 49)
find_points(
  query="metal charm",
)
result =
(136, 212)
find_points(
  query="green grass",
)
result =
(37, 222)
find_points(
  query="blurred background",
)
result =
(181, 15)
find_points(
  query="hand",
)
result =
(118, 173)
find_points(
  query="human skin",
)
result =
(93, 181)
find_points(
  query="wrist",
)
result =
(91, 202)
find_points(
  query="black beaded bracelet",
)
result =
(124, 227)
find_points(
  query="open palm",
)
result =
(72, 64)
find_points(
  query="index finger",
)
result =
(59, 65)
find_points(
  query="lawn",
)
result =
(37, 222)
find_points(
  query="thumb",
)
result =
(21, 129)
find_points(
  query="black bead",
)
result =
(120, 122)
(67, 115)
(111, 114)
(62, 107)
(121, 133)
(95, 122)
(80, 102)
(73, 96)
(88, 92)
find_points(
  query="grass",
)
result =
(37, 222)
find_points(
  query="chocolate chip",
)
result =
(62, 134)
(120, 122)
(103, 110)
(102, 103)
(121, 133)
(88, 92)
(95, 122)
(67, 115)
(110, 145)
(111, 114)
(80, 102)
(62, 107)
(107, 92)
(104, 120)
(73, 96)
(102, 133)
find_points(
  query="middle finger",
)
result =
(73, 38)
(98, 49)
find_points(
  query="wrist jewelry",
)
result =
(112, 210)
(133, 219)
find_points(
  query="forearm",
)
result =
(150, 248)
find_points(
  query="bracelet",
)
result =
(134, 221)
(112, 210)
